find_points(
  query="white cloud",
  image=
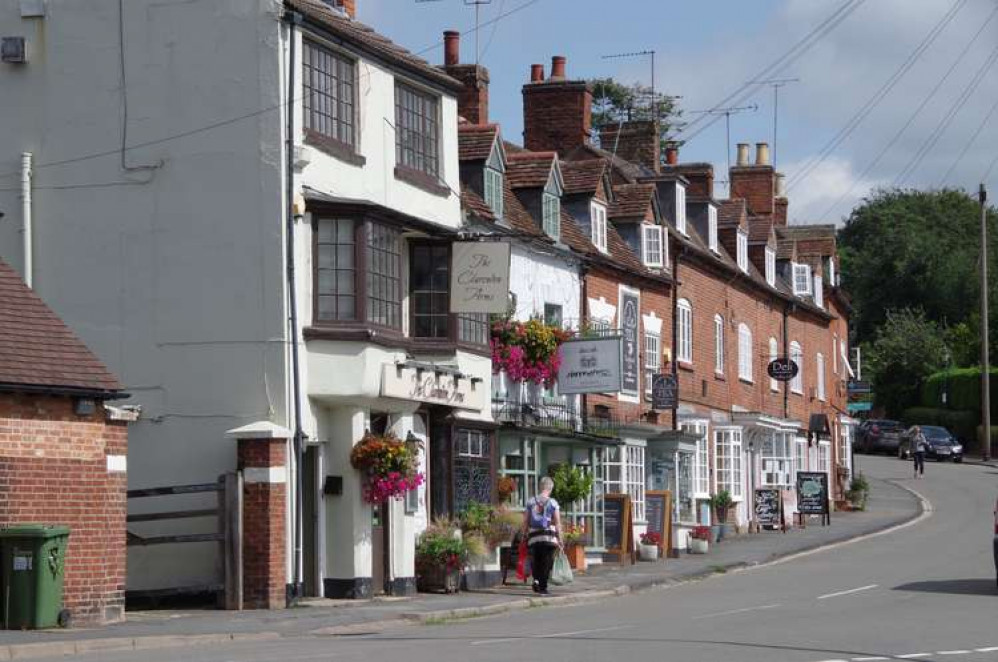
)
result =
(830, 182)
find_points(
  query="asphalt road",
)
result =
(923, 592)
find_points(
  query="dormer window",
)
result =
(770, 267)
(493, 191)
(681, 208)
(597, 219)
(802, 279)
(552, 215)
(712, 228)
(743, 251)
(652, 246)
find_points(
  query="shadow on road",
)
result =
(953, 586)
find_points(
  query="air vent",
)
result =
(13, 50)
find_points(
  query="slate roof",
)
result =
(630, 200)
(529, 169)
(475, 141)
(37, 350)
(365, 38)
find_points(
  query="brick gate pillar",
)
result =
(262, 459)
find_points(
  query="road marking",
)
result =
(737, 611)
(953, 652)
(912, 656)
(849, 592)
(989, 649)
(869, 659)
(486, 642)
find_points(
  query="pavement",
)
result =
(889, 507)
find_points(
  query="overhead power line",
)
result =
(914, 115)
(742, 94)
(970, 143)
(878, 96)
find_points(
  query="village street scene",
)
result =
(498, 329)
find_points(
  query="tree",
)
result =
(907, 349)
(615, 102)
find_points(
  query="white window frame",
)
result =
(776, 461)
(819, 292)
(797, 356)
(802, 279)
(728, 462)
(684, 350)
(494, 190)
(718, 345)
(653, 357)
(470, 443)
(681, 208)
(634, 479)
(744, 353)
(800, 456)
(551, 215)
(597, 219)
(701, 459)
(742, 249)
(712, 228)
(771, 266)
(820, 361)
(825, 457)
(774, 353)
(651, 244)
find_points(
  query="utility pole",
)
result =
(985, 359)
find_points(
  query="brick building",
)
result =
(62, 451)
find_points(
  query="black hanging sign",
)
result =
(664, 392)
(630, 316)
(782, 369)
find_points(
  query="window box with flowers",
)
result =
(390, 467)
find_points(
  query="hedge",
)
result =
(963, 386)
(965, 425)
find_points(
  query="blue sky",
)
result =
(705, 50)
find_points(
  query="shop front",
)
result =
(670, 457)
(774, 450)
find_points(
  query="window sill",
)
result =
(685, 365)
(800, 393)
(746, 381)
(719, 376)
(391, 339)
(421, 180)
(335, 148)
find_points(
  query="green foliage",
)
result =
(615, 102)
(859, 490)
(962, 387)
(721, 502)
(908, 348)
(441, 543)
(571, 484)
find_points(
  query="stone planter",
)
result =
(649, 552)
(698, 546)
(576, 556)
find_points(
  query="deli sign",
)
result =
(590, 366)
(479, 277)
(782, 369)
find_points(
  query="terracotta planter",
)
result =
(576, 556)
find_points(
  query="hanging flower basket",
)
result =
(390, 467)
(527, 351)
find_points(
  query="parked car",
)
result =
(942, 445)
(880, 436)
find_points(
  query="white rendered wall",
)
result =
(538, 278)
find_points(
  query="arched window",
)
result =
(718, 344)
(684, 352)
(774, 353)
(744, 352)
(797, 356)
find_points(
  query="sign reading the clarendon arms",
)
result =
(479, 277)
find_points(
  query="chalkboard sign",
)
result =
(617, 527)
(812, 493)
(658, 511)
(768, 507)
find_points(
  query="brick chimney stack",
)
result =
(349, 7)
(756, 183)
(780, 203)
(557, 112)
(637, 141)
(473, 99)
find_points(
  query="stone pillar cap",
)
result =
(260, 430)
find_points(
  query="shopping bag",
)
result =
(561, 573)
(522, 561)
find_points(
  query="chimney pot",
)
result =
(742, 159)
(452, 47)
(672, 155)
(536, 73)
(558, 67)
(762, 154)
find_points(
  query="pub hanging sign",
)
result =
(782, 369)
(479, 277)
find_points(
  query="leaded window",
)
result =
(417, 130)
(494, 191)
(329, 87)
(552, 215)
(472, 468)
(429, 288)
(336, 270)
(384, 275)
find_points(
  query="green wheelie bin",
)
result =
(34, 565)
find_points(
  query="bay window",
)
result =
(728, 464)
(777, 460)
(624, 472)
(328, 102)
(429, 298)
(701, 468)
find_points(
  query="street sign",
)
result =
(782, 369)
(664, 392)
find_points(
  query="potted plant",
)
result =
(506, 488)
(440, 554)
(389, 465)
(571, 484)
(858, 492)
(699, 539)
(650, 541)
(572, 537)
(721, 502)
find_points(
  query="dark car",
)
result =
(941, 444)
(880, 435)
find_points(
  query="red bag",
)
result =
(522, 569)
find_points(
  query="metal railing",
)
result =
(555, 415)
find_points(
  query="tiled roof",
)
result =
(807, 232)
(630, 200)
(529, 169)
(475, 141)
(731, 212)
(627, 171)
(473, 204)
(365, 38)
(621, 253)
(583, 176)
(760, 230)
(38, 350)
(811, 240)
(517, 215)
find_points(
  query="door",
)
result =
(310, 520)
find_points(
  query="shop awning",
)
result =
(819, 425)
(674, 441)
(760, 420)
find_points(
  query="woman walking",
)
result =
(918, 447)
(542, 524)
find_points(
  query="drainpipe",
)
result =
(786, 354)
(583, 307)
(675, 333)
(27, 231)
(292, 19)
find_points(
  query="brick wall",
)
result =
(635, 141)
(54, 470)
(557, 115)
(756, 184)
(264, 522)
(473, 99)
